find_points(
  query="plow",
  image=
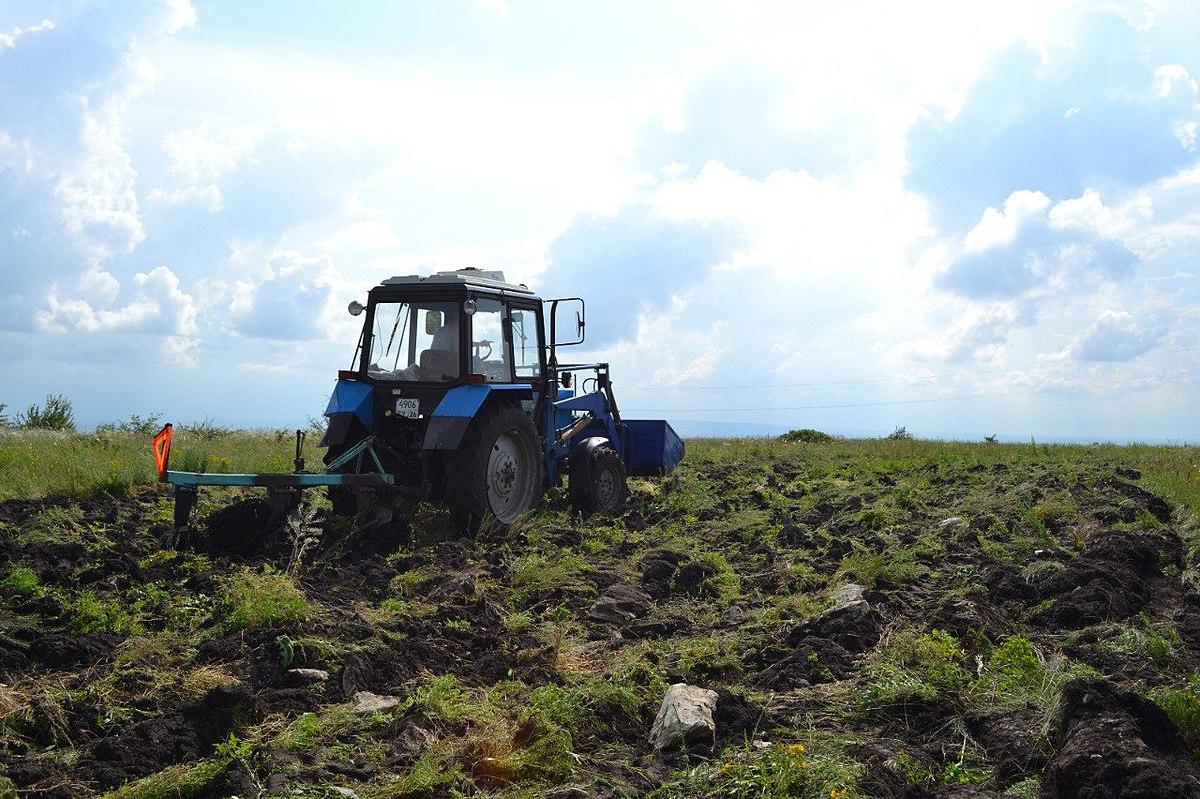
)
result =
(456, 396)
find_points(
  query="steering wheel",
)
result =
(484, 343)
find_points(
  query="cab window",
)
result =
(526, 343)
(415, 342)
(489, 353)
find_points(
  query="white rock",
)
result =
(685, 716)
(301, 676)
(849, 593)
(367, 702)
(953, 521)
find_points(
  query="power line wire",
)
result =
(864, 381)
(919, 401)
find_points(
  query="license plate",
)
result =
(408, 408)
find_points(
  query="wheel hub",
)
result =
(508, 476)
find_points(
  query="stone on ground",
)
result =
(367, 702)
(685, 717)
(621, 603)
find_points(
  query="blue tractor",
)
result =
(456, 395)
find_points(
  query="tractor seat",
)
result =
(438, 365)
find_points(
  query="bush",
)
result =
(136, 424)
(806, 435)
(251, 600)
(5, 421)
(55, 414)
(899, 434)
(207, 430)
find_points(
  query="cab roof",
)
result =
(487, 280)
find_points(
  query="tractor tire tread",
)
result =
(582, 490)
(464, 476)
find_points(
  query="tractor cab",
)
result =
(466, 326)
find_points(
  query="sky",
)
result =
(964, 218)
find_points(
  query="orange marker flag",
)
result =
(161, 446)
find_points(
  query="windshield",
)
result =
(415, 341)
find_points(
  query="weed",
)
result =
(22, 580)
(1025, 789)
(303, 533)
(1159, 642)
(1182, 705)
(173, 782)
(914, 664)
(1018, 675)
(806, 435)
(728, 585)
(896, 566)
(135, 425)
(813, 769)
(538, 573)
(91, 613)
(251, 600)
(285, 651)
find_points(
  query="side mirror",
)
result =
(433, 322)
(355, 308)
(565, 330)
(565, 379)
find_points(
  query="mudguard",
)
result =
(350, 400)
(450, 419)
(351, 396)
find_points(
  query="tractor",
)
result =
(456, 395)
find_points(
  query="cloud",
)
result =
(199, 159)
(1026, 248)
(288, 302)
(1097, 111)
(742, 114)
(625, 263)
(1121, 336)
(977, 332)
(9, 40)
(69, 207)
(156, 306)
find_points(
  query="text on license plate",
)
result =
(408, 408)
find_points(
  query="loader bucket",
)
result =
(652, 447)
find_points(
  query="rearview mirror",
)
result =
(567, 321)
(433, 322)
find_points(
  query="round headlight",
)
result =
(355, 308)
(469, 307)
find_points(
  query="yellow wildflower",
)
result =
(796, 749)
(727, 767)
(837, 793)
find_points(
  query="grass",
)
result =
(36, 464)
(914, 664)
(1182, 704)
(251, 599)
(525, 694)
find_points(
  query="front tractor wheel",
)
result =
(597, 483)
(496, 471)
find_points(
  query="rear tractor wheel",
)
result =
(597, 483)
(496, 472)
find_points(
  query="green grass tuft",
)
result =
(252, 599)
